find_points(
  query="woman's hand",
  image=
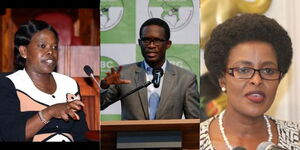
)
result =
(60, 111)
(63, 110)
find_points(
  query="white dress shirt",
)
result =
(149, 76)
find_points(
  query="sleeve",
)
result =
(80, 128)
(12, 124)
(109, 96)
(192, 100)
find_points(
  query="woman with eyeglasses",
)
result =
(249, 54)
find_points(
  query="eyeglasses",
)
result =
(156, 41)
(248, 73)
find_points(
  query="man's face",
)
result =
(154, 44)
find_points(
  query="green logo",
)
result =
(179, 62)
(111, 12)
(177, 13)
(105, 64)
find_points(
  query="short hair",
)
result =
(159, 22)
(243, 28)
(23, 37)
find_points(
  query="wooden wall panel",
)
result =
(88, 26)
(72, 59)
(90, 94)
(8, 29)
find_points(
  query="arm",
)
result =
(192, 100)
(12, 124)
(21, 126)
(109, 96)
(60, 111)
(113, 77)
(111, 93)
(80, 127)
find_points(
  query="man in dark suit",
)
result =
(177, 93)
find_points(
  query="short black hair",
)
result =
(243, 28)
(159, 22)
(23, 37)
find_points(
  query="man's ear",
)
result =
(169, 43)
(140, 42)
(23, 51)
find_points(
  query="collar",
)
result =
(148, 68)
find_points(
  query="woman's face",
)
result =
(41, 53)
(254, 96)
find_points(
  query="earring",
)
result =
(223, 89)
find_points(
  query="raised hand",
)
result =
(113, 77)
(64, 110)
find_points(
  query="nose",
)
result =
(50, 51)
(151, 44)
(256, 79)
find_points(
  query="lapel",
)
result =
(168, 83)
(140, 78)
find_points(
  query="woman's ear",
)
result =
(23, 51)
(222, 83)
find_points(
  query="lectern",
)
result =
(181, 134)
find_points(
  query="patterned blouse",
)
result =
(20, 100)
(288, 134)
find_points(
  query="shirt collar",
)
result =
(148, 68)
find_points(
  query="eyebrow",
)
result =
(268, 63)
(250, 63)
(44, 41)
(243, 62)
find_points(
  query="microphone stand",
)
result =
(136, 89)
(93, 77)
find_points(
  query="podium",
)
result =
(174, 133)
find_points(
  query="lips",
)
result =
(151, 54)
(256, 96)
(49, 61)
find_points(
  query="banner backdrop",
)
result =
(120, 21)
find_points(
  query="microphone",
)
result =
(157, 74)
(88, 70)
(268, 146)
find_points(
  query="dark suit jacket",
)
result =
(179, 94)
